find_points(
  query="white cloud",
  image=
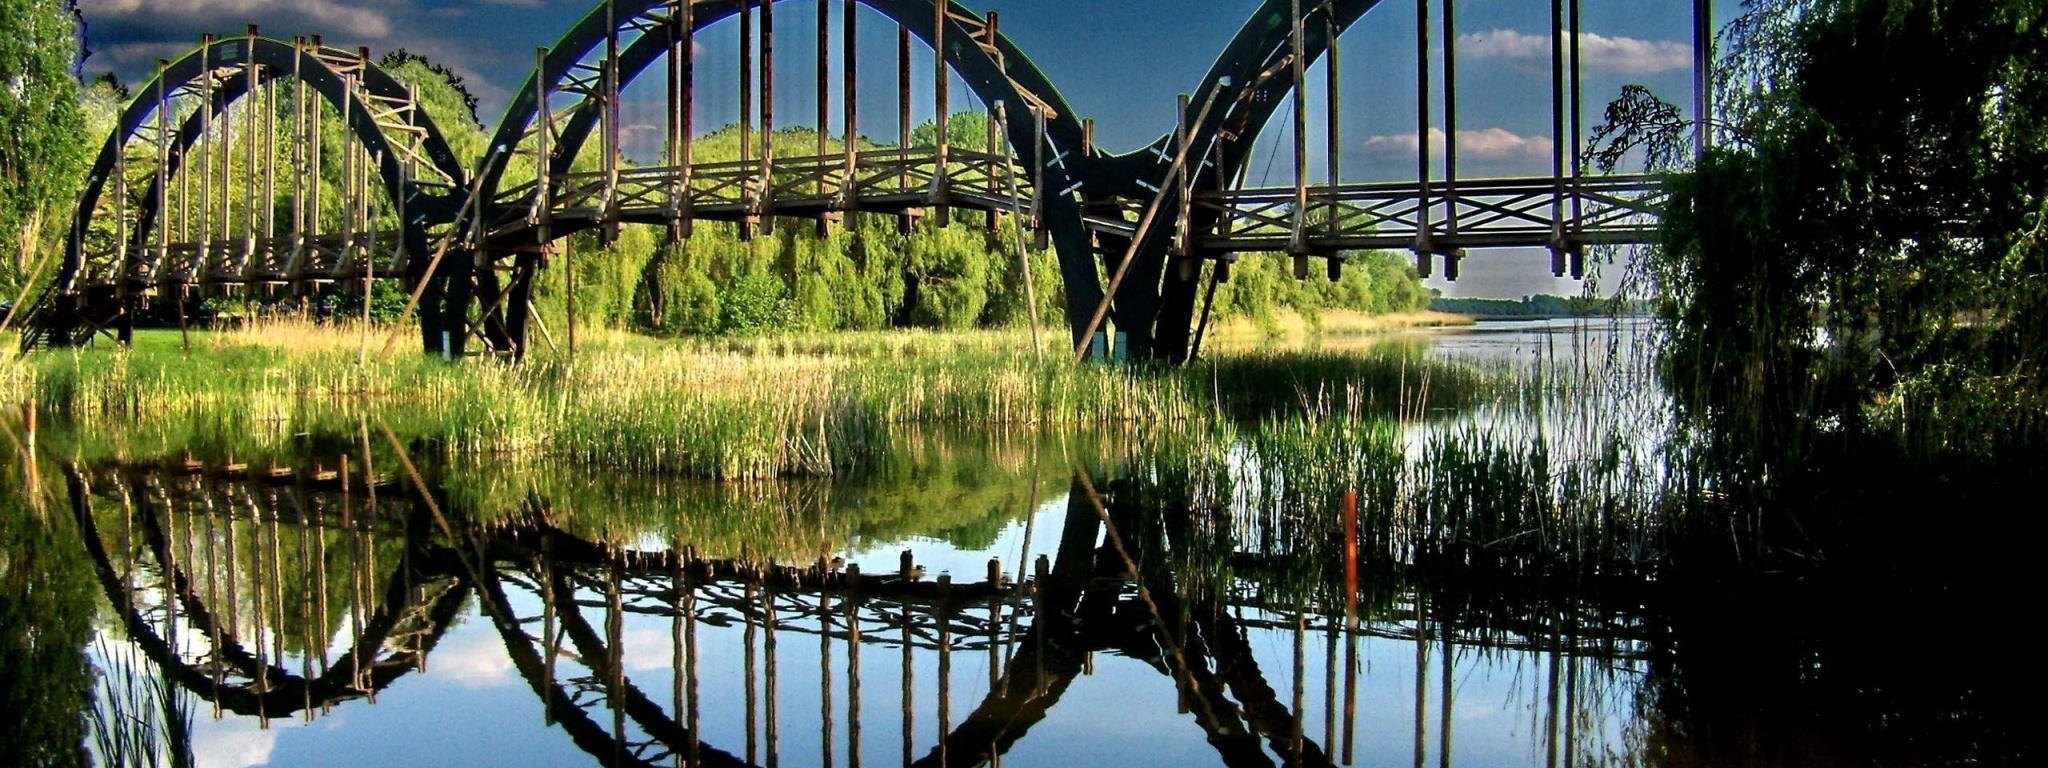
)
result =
(646, 649)
(472, 660)
(1486, 145)
(1598, 53)
(235, 742)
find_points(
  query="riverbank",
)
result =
(728, 409)
(1295, 328)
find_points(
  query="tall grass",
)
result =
(139, 718)
(715, 409)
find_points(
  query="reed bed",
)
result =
(728, 410)
(1561, 468)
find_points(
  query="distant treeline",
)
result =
(1544, 305)
(866, 275)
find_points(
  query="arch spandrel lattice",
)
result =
(402, 138)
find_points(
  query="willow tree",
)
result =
(1863, 238)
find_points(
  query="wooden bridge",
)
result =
(177, 208)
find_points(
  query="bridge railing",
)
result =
(277, 260)
(1476, 213)
(883, 180)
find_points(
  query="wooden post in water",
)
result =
(753, 708)
(1421, 676)
(1550, 704)
(1330, 736)
(853, 602)
(995, 623)
(824, 622)
(676, 581)
(769, 675)
(1350, 621)
(909, 682)
(1296, 737)
(614, 645)
(945, 654)
(1444, 707)
(1040, 569)
(1351, 555)
(690, 667)
(1571, 706)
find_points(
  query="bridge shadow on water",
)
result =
(1137, 627)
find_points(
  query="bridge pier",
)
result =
(1172, 339)
(458, 292)
(519, 306)
(1077, 266)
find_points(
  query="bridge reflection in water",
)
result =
(290, 598)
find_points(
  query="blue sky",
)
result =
(1122, 62)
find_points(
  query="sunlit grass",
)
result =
(725, 409)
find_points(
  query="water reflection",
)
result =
(1537, 581)
(299, 597)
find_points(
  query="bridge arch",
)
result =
(1232, 106)
(1072, 618)
(415, 171)
(623, 39)
(229, 675)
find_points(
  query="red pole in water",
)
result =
(1350, 553)
(1350, 621)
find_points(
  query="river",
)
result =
(987, 599)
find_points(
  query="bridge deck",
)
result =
(1475, 213)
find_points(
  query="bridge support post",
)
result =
(125, 325)
(1176, 312)
(519, 304)
(458, 292)
(1173, 337)
(432, 292)
(1078, 269)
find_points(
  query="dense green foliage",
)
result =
(1543, 305)
(1869, 230)
(42, 128)
(866, 275)
(1262, 286)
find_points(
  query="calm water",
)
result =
(991, 601)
